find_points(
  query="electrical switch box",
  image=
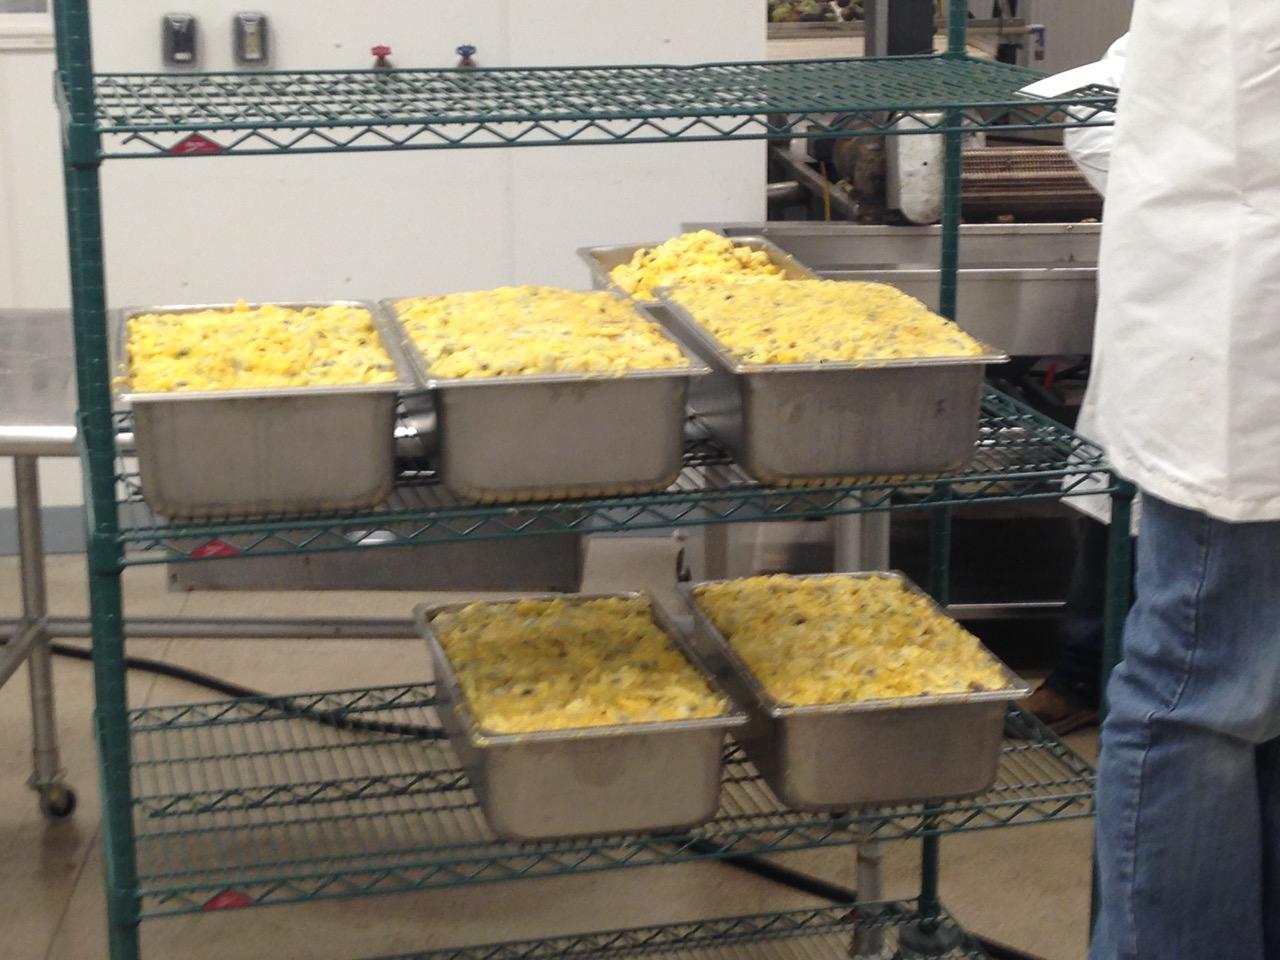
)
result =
(178, 39)
(249, 36)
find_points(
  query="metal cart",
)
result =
(398, 815)
(38, 421)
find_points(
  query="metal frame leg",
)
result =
(47, 774)
(940, 587)
(715, 551)
(861, 541)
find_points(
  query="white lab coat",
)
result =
(1185, 389)
(1090, 149)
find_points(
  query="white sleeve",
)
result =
(1090, 150)
(1090, 147)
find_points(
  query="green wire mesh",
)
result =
(1020, 455)
(283, 799)
(145, 114)
(833, 932)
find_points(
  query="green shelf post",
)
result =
(940, 547)
(940, 520)
(88, 295)
(940, 588)
(952, 170)
(273, 113)
(930, 907)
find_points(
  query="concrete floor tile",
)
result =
(293, 666)
(384, 926)
(41, 863)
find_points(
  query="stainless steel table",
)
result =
(37, 419)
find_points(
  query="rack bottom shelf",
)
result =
(828, 933)
(271, 800)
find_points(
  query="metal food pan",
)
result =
(632, 778)
(602, 260)
(555, 436)
(836, 756)
(277, 450)
(808, 421)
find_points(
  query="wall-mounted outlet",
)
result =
(179, 43)
(250, 39)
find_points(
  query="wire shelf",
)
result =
(823, 934)
(1020, 455)
(248, 112)
(305, 797)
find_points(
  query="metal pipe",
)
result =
(785, 191)
(940, 550)
(14, 653)
(46, 764)
(230, 628)
(1006, 611)
(861, 541)
(870, 886)
(389, 628)
(26, 482)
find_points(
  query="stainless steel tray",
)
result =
(554, 436)
(807, 421)
(836, 756)
(602, 260)
(567, 783)
(283, 450)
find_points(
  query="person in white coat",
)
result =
(1185, 396)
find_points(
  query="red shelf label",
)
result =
(215, 548)
(228, 900)
(195, 143)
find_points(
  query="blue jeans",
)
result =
(1189, 781)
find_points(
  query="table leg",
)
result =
(56, 800)
(861, 541)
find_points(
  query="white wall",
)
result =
(210, 229)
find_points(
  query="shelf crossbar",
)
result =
(1020, 455)
(313, 111)
(786, 935)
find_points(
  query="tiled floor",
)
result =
(1027, 887)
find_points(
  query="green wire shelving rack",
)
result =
(259, 828)
(309, 797)
(788, 935)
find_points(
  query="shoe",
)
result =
(1058, 711)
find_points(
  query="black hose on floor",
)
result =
(330, 718)
(756, 866)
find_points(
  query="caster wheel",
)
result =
(57, 803)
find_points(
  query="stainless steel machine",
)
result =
(1027, 288)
